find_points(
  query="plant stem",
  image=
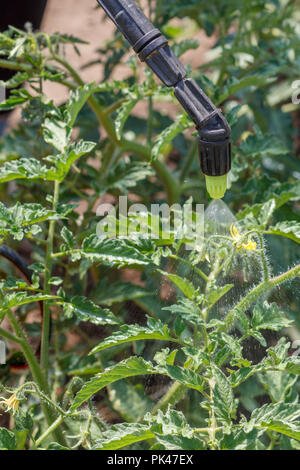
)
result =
(255, 293)
(37, 374)
(264, 258)
(50, 430)
(212, 419)
(48, 270)
(171, 184)
(173, 396)
(150, 121)
(10, 337)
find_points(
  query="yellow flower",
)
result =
(11, 403)
(238, 240)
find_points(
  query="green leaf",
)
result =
(16, 98)
(7, 440)
(131, 402)
(269, 317)
(68, 238)
(127, 368)
(289, 229)
(290, 365)
(223, 399)
(218, 293)
(76, 102)
(187, 377)
(184, 285)
(125, 175)
(105, 293)
(233, 85)
(280, 417)
(16, 299)
(117, 252)
(173, 432)
(136, 366)
(23, 421)
(123, 435)
(277, 384)
(124, 111)
(181, 123)
(262, 145)
(155, 330)
(19, 219)
(185, 45)
(187, 310)
(66, 160)
(85, 310)
(23, 168)
(56, 133)
(240, 440)
(179, 442)
(266, 212)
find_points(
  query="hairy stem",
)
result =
(37, 374)
(48, 270)
(255, 293)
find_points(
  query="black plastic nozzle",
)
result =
(214, 131)
(152, 47)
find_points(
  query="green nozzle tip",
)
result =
(216, 185)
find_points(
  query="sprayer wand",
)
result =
(152, 47)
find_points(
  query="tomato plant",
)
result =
(139, 343)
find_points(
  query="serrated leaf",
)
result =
(217, 293)
(184, 285)
(280, 417)
(68, 237)
(173, 432)
(16, 299)
(123, 435)
(277, 384)
(124, 111)
(56, 133)
(65, 161)
(185, 45)
(240, 440)
(16, 98)
(7, 440)
(186, 377)
(126, 175)
(117, 252)
(187, 310)
(23, 168)
(269, 317)
(129, 333)
(223, 399)
(178, 442)
(105, 293)
(77, 100)
(85, 310)
(289, 229)
(127, 368)
(181, 123)
(19, 219)
(259, 145)
(233, 85)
